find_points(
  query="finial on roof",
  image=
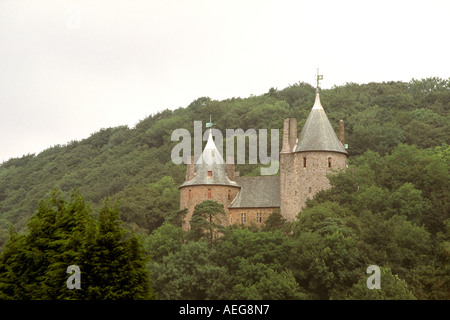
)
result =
(317, 104)
(209, 124)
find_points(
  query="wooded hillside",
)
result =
(390, 208)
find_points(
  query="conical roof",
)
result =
(210, 154)
(317, 133)
(210, 160)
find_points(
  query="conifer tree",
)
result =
(11, 267)
(71, 227)
(117, 269)
(61, 234)
(206, 220)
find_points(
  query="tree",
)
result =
(14, 281)
(163, 241)
(268, 248)
(270, 285)
(190, 274)
(176, 218)
(64, 233)
(117, 268)
(408, 201)
(207, 218)
(73, 226)
(275, 221)
(38, 260)
(392, 288)
(324, 257)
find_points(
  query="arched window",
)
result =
(209, 193)
(329, 162)
(304, 162)
(229, 194)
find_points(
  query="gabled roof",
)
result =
(258, 192)
(210, 160)
(317, 133)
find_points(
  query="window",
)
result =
(229, 194)
(258, 217)
(329, 162)
(304, 162)
(310, 189)
(190, 194)
(209, 193)
(243, 218)
(209, 174)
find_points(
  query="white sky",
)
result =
(70, 68)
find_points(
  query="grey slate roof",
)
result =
(219, 176)
(258, 192)
(317, 133)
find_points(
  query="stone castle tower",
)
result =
(305, 162)
(208, 177)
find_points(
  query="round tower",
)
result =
(207, 179)
(304, 168)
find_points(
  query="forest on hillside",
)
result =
(389, 208)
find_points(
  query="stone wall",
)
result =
(288, 186)
(199, 193)
(302, 175)
(250, 216)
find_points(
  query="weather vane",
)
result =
(319, 77)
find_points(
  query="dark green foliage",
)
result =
(64, 233)
(163, 241)
(324, 257)
(397, 216)
(116, 264)
(207, 220)
(275, 221)
(190, 274)
(393, 288)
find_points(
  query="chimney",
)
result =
(285, 145)
(190, 169)
(292, 133)
(341, 132)
(230, 168)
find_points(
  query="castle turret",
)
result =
(303, 170)
(208, 181)
(317, 133)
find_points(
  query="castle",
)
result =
(304, 163)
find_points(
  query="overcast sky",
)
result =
(70, 68)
